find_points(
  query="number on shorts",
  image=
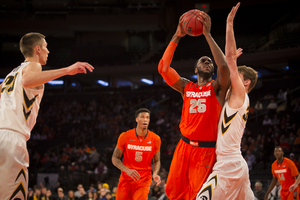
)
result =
(9, 83)
(201, 107)
(138, 156)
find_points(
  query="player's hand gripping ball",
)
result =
(191, 25)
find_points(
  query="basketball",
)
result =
(191, 25)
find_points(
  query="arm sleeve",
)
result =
(167, 72)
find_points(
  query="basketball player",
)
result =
(194, 156)
(21, 94)
(230, 177)
(139, 146)
(285, 171)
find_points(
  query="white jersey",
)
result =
(231, 129)
(19, 106)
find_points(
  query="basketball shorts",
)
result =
(287, 195)
(188, 171)
(128, 189)
(229, 180)
(14, 160)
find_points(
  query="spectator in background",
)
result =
(37, 194)
(49, 195)
(293, 158)
(71, 195)
(267, 121)
(259, 193)
(258, 106)
(272, 107)
(280, 95)
(77, 192)
(61, 194)
(103, 192)
(30, 194)
(250, 159)
(82, 193)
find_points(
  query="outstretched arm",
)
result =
(33, 75)
(223, 82)
(171, 77)
(237, 87)
(116, 160)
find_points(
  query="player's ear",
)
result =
(196, 70)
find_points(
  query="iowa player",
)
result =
(21, 94)
(230, 177)
(138, 146)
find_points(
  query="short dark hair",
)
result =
(141, 110)
(29, 41)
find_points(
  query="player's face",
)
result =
(205, 66)
(143, 120)
(44, 53)
(278, 153)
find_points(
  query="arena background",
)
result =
(124, 40)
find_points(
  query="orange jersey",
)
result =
(200, 112)
(138, 151)
(285, 173)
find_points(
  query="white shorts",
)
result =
(14, 160)
(228, 181)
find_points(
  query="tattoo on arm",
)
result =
(116, 159)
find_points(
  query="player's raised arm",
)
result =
(33, 75)
(171, 77)
(223, 81)
(238, 89)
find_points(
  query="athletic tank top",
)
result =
(231, 129)
(200, 112)
(19, 106)
(138, 151)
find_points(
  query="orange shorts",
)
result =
(189, 169)
(287, 195)
(133, 190)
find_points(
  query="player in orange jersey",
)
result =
(195, 156)
(139, 146)
(284, 170)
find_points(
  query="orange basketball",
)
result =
(191, 25)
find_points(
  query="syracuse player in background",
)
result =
(21, 94)
(138, 147)
(230, 177)
(194, 156)
(284, 170)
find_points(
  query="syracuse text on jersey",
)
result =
(198, 94)
(139, 148)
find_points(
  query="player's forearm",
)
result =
(156, 167)
(34, 78)
(272, 185)
(218, 55)
(118, 163)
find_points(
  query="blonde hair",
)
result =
(249, 74)
(29, 41)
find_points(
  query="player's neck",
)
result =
(280, 160)
(203, 80)
(141, 132)
(32, 59)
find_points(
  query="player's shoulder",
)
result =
(153, 135)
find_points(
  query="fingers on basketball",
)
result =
(191, 23)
